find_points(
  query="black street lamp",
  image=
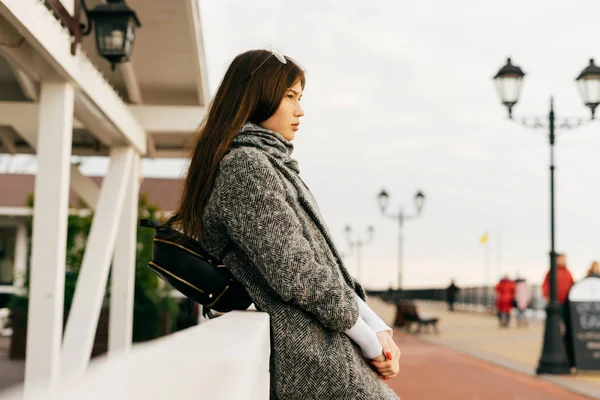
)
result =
(115, 27)
(508, 84)
(358, 244)
(589, 86)
(383, 198)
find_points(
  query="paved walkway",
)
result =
(430, 372)
(473, 359)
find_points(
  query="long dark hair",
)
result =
(250, 92)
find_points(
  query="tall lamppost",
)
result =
(508, 84)
(358, 244)
(383, 197)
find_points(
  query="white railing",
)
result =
(225, 358)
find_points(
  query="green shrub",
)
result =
(151, 300)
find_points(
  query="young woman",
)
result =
(243, 188)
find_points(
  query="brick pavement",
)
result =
(476, 337)
(429, 371)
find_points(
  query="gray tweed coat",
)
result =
(286, 258)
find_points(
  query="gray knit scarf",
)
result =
(268, 141)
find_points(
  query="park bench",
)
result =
(407, 315)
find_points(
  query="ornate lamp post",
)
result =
(383, 198)
(508, 84)
(358, 244)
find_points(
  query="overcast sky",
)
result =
(399, 95)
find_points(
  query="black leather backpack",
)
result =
(182, 262)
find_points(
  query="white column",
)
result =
(20, 257)
(123, 269)
(93, 276)
(46, 292)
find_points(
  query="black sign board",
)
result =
(584, 299)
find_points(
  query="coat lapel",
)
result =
(314, 214)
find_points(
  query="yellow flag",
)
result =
(484, 238)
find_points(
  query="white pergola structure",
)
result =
(56, 105)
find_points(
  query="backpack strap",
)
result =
(150, 223)
(206, 310)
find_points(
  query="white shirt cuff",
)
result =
(370, 317)
(365, 338)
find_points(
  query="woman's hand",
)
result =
(388, 366)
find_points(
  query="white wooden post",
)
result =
(120, 328)
(93, 276)
(21, 247)
(47, 280)
(84, 186)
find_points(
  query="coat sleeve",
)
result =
(258, 218)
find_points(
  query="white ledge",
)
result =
(225, 358)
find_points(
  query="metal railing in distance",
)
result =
(475, 298)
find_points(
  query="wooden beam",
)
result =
(85, 188)
(23, 117)
(94, 122)
(28, 86)
(181, 119)
(48, 38)
(123, 269)
(19, 53)
(47, 276)
(193, 15)
(135, 97)
(163, 119)
(91, 284)
(7, 140)
(89, 151)
(131, 83)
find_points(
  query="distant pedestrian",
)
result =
(505, 293)
(244, 200)
(522, 299)
(564, 281)
(594, 270)
(451, 292)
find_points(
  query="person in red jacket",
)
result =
(505, 293)
(564, 281)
